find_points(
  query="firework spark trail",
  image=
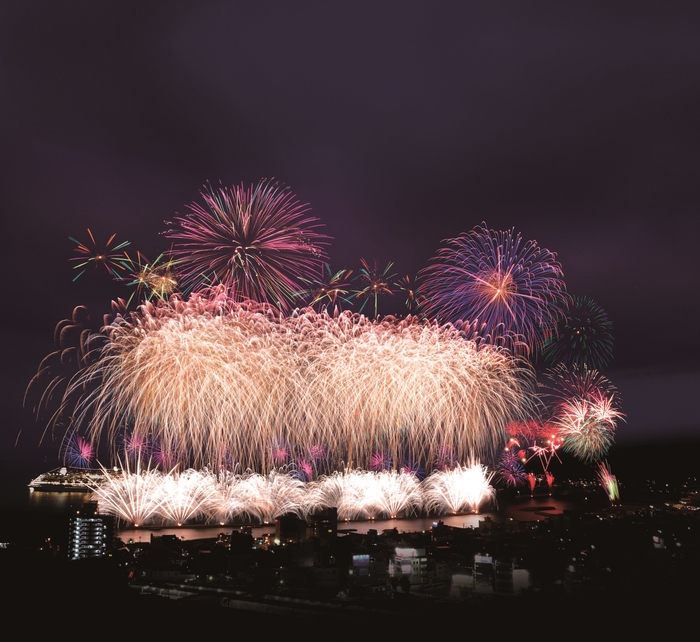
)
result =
(609, 482)
(462, 488)
(134, 497)
(184, 496)
(210, 380)
(148, 496)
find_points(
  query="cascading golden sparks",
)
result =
(214, 383)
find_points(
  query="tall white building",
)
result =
(90, 534)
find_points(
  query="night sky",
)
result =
(401, 124)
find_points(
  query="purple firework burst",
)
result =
(510, 470)
(509, 287)
(258, 242)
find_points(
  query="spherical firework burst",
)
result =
(78, 453)
(108, 256)
(214, 381)
(582, 337)
(510, 469)
(510, 287)
(258, 242)
(585, 411)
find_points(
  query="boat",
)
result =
(79, 480)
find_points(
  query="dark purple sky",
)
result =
(400, 123)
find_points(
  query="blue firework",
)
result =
(513, 290)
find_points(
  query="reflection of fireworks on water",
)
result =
(583, 336)
(585, 412)
(258, 242)
(150, 497)
(494, 277)
(209, 380)
(609, 482)
(462, 488)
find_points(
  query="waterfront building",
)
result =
(90, 534)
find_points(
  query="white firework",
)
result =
(215, 382)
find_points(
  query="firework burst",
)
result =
(95, 254)
(583, 336)
(585, 412)
(212, 381)
(329, 292)
(408, 286)
(258, 242)
(374, 282)
(150, 279)
(510, 469)
(78, 452)
(510, 288)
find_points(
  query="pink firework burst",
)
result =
(258, 242)
(79, 452)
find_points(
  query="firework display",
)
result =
(258, 242)
(407, 285)
(330, 291)
(459, 489)
(150, 497)
(374, 282)
(241, 355)
(94, 254)
(216, 382)
(513, 289)
(609, 482)
(585, 412)
(583, 336)
(150, 279)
